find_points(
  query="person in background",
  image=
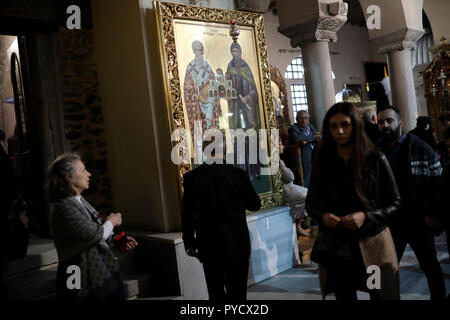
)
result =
(295, 195)
(424, 132)
(305, 135)
(417, 172)
(370, 125)
(442, 146)
(445, 191)
(353, 196)
(82, 237)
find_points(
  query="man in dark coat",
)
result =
(445, 189)
(371, 125)
(215, 227)
(304, 134)
(417, 172)
(424, 132)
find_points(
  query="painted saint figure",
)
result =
(246, 102)
(199, 104)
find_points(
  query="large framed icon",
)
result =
(213, 81)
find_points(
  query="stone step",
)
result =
(34, 277)
(41, 284)
(33, 285)
(41, 253)
(136, 283)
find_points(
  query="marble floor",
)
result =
(301, 282)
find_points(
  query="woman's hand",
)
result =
(130, 243)
(354, 220)
(331, 220)
(115, 218)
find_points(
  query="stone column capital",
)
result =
(405, 39)
(321, 24)
(328, 26)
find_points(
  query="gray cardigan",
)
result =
(75, 234)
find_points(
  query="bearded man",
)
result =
(199, 105)
(246, 102)
(417, 172)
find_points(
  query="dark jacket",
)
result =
(78, 238)
(445, 198)
(417, 171)
(213, 211)
(297, 135)
(330, 192)
(372, 131)
(426, 136)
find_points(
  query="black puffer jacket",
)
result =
(331, 192)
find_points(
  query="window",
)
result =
(295, 75)
(295, 69)
(299, 100)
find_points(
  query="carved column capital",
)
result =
(321, 24)
(327, 27)
(403, 40)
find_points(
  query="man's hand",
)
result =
(130, 243)
(317, 136)
(331, 220)
(354, 221)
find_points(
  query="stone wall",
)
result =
(83, 119)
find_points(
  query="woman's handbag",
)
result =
(379, 250)
(17, 235)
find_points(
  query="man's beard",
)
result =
(390, 135)
(198, 60)
(237, 63)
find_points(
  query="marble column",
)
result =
(402, 86)
(318, 80)
(400, 26)
(311, 25)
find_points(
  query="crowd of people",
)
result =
(370, 187)
(370, 180)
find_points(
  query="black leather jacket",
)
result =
(379, 188)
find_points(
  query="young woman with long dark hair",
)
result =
(352, 195)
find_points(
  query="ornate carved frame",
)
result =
(165, 15)
(277, 77)
(431, 74)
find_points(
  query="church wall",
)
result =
(438, 12)
(83, 112)
(349, 54)
(125, 90)
(144, 180)
(275, 42)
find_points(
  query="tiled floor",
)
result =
(301, 282)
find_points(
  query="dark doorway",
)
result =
(375, 73)
(38, 94)
(21, 134)
(32, 104)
